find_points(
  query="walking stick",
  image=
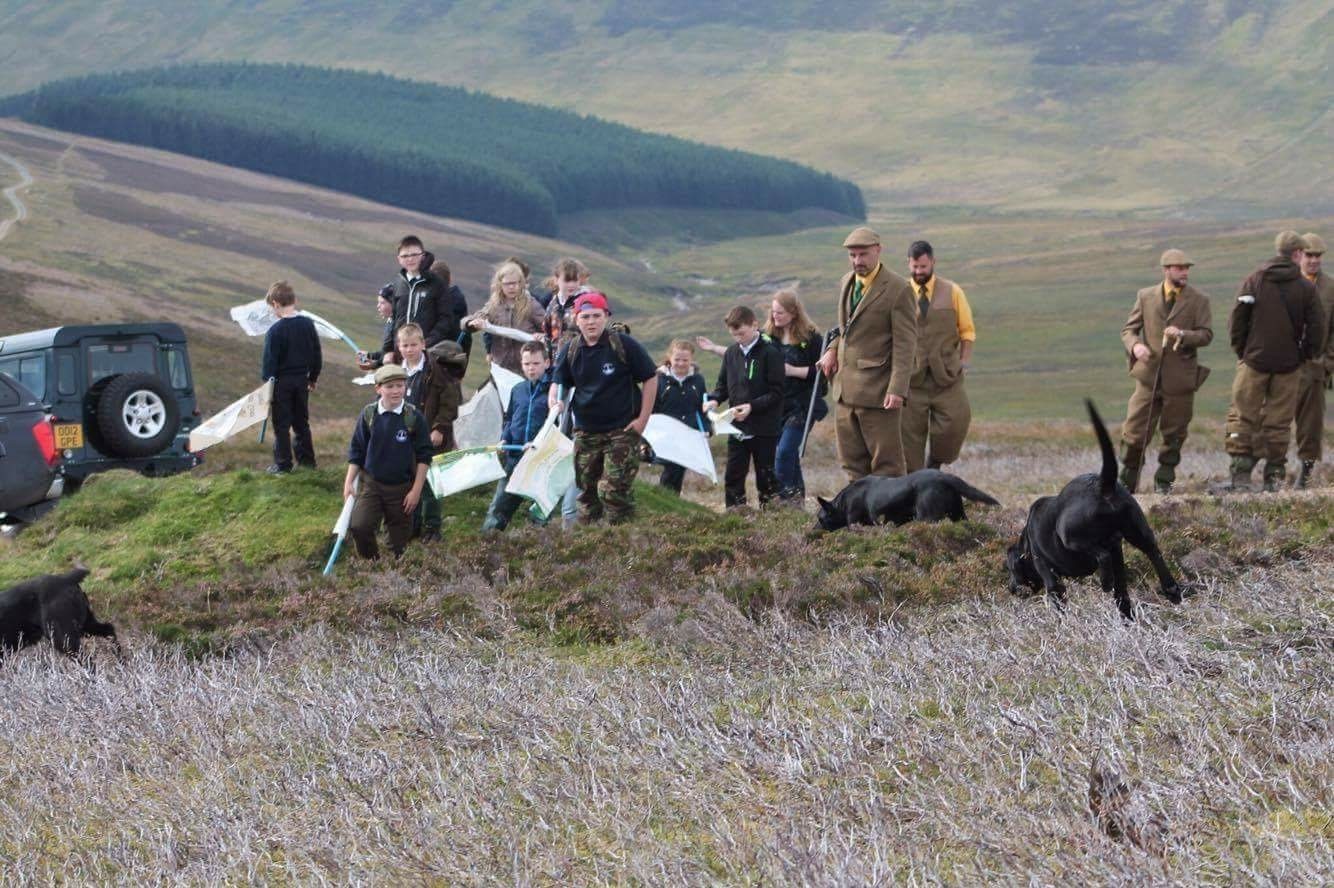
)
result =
(1148, 420)
(815, 392)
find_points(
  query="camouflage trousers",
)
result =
(616, 453)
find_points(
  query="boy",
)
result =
(411, 344)
(527, 413)
(390, 451)
(605, 368)
(422, 296)
(752, 379)
(292, 359)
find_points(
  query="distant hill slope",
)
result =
(1187, 108)
(422, 146)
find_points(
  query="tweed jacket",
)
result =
(877, 343)
(1181, 371)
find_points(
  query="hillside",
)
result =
(1186, 108)
(117, 232)
(422, 147)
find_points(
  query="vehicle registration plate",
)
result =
(69, 436)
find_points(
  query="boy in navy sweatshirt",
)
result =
(527, 413)
(390, 450)
(752, 379)
(605, 368)
(292, 359)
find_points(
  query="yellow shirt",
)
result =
(1311, 277)
(869, 279)
(1170, 293)
(963, 313)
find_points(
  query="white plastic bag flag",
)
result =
(722, 422)
(507, 332)
(463, 469)
(546, 470)
(674, 441)
(505, 381)
(257, 317)
(480, 421)
(235, 417)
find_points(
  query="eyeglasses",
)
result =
(410, 255)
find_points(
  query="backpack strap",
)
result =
(411, 416)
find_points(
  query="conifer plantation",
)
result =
(442, 150)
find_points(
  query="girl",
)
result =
(510, 305)
(791, 329)
(681, 391)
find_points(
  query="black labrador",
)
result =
(54, 607)
(925, 495)
(1079, 531)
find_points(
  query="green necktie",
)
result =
(923, 302)
(856, 295)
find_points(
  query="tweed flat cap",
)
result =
(1287, 241)
(862, 237)
(1175, 257)
(1315, 244)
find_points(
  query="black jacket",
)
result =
(682, 400)
(797, 391)
(430, 303)
(1277, 319)
(755, 379)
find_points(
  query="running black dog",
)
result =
(52, 606)
(925, 495)
(1079, 531)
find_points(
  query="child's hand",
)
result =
(637, 425)
(410, 500)
(310, 386)
(741, 411)
(437, 438)
(710, 406)
(349, 489)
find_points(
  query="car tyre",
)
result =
(137, 415)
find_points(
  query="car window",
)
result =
(9, 396)
(67, 382)
(180, 377)
(29, 370)
(121, 357)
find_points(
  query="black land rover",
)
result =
(121, 395)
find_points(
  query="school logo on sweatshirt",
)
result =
(608, 368)
(401, 436)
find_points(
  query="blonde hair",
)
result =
(523, 304)
(410, 330)
(800, 327)
(677, 345)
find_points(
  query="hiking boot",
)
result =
(1274, 475)
(1304, 479)
(276, 469)
(431, 535)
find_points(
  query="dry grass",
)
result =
(952, 745)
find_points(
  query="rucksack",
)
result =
(411, 416)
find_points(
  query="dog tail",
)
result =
(968, 491)
(1107, 478)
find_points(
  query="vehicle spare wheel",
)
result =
(137, 415)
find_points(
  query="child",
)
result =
(510, 305)
(390, 451)
(571, 278)
(752, 379)
(605, 369)
(292, 359)
(527, 413)
(384, 310)
(681, 393)
(411, 344)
